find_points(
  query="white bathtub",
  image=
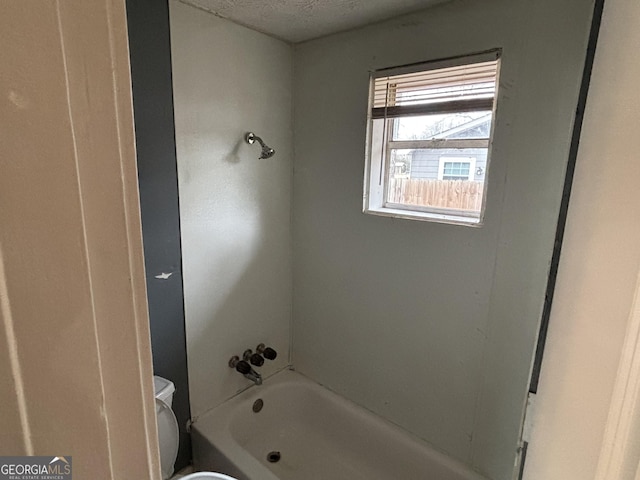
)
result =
(319, 436)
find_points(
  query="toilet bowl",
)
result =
(169, 433)
(208, 475)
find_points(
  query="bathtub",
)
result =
(305, 432)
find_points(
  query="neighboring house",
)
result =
(452, 163)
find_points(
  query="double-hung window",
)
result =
(429, 139)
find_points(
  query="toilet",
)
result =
(209, 475)
(169, 434)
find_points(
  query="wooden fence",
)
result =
(451, 194)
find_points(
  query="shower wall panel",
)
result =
(234, 208)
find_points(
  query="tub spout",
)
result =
(254, 376)
(245, 369)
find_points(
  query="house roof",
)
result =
(455, 132)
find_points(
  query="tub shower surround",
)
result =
(285, 256)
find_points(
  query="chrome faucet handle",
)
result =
(256, 360)
(243, 367)
(268, 352)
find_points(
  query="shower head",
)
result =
(267, 152)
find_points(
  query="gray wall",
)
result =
(148, 22)
(433, 326)
(235, 209)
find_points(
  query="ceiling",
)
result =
(299, 20)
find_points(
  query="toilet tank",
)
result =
(164, 389)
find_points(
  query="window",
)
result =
(454, 168)
(428, 140)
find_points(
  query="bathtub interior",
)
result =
(315, 434)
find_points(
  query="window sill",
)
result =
(424, 216)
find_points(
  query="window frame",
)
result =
(377, 157)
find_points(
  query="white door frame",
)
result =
(620, 457)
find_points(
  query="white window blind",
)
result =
(450, 89)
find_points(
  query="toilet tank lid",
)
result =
(164, 388)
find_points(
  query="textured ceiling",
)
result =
(299, 20)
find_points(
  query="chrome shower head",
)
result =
(267, 152)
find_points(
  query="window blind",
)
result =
(451, 89)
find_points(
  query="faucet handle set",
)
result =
(256, 359)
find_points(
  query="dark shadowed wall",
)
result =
(150, 51)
